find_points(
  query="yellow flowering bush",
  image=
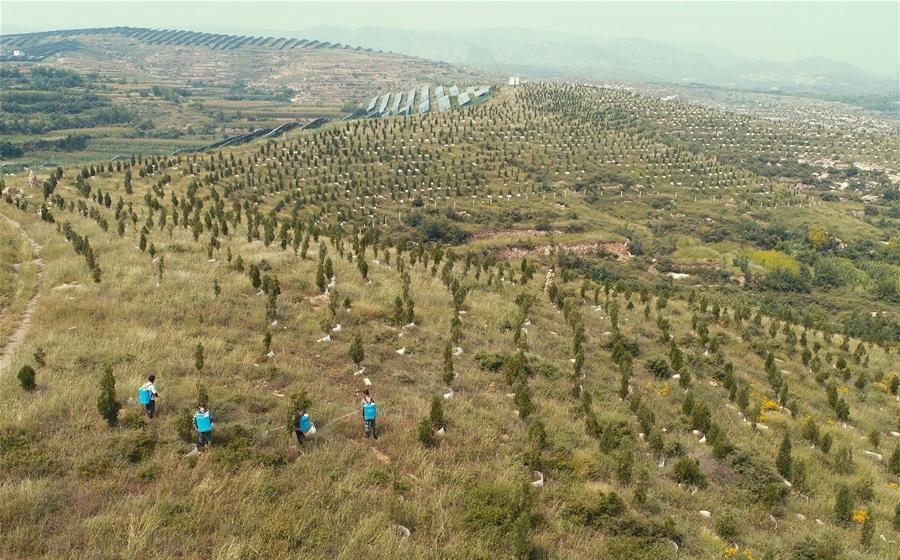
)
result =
(860, 516)
(665, 390)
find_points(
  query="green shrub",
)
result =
(810, 548)
(133, 419)
(500, 512)
(843, 505)
(26, 378)
(183, 423)
(490, 362)
(135, 446)
(727, 527)
(687, 471)
(24, 454)
(658, 367)
(232, 445)
(425, 432)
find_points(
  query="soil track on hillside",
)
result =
(24, 325)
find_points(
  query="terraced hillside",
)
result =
(596, 324)
(315, 72)
(86, 95)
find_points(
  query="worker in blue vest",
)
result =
(302, 426)
(369, 412)
(203, 423)
(147, 395)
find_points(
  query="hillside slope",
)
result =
(95, 94)
(315, 71)
(635, 301)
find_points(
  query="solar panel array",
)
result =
(419, 100)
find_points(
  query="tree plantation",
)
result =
(596, 324)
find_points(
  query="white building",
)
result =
(513, 81)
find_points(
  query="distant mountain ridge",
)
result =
(566, 55)
(39, 45)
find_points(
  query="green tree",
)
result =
(523, 401)
(783, 462)
(687, 471)
(867, 531)
(425, 432)
(255, 280)
(202, 394)
(810, 431)
(362, 265)
(894, 461)
(297, 401)
(436, 415)
(875, 438)
(843, 505)
(357, 354)
(448, 364)
(198, 357)
(106, 403)
(537, 442)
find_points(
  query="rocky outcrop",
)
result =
(614, 248)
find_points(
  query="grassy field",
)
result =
(615, 455)
(18, 277)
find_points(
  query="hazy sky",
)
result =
(866, 34)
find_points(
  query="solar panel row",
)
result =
(384, 102)
(395, 108)
(405, 104)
